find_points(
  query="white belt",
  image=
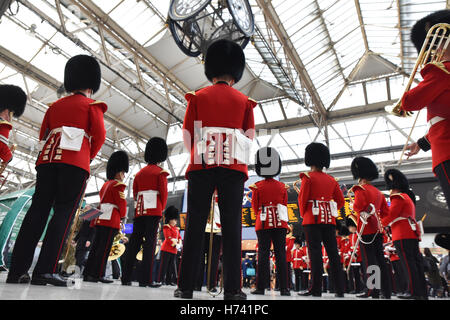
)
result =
(412, 222)
(4, 139)
(433, 121)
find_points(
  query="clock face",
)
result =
(184, 9)
(242, 15)
(187, 36)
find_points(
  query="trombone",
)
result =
(433, 48)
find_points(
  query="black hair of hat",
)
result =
(224, 58)
(82, 72)
(12, 98)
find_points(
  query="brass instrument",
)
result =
(294, 185)
(140, 254)
(433, 49)
(117, 248)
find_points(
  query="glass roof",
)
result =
(331, 39)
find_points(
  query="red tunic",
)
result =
(318, 186)
(151, 177)
(268, 192)
(5, 152)
(353, 237)
(112, 192)
(218, 105)
(364, 196)
(401, 206)
(297, 258)
(73, 111)
(289, 245)
(169, 234)
(434, 93)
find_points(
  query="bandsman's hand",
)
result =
(412, 149)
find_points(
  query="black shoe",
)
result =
(25, 278)
(239, 295)
(104, 280)
(285, 292)
(339, 295)
(406, 296)
(309, 293)
(90, 279)
(258, 291)
(197, 288)
(213, 290)
(186, 294)
(126, 283)
(364, 295)
(3, 268)
(172, 284)
(48, 278)
(155, 284)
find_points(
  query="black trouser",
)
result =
(101, 247)
(143, 227)
(298, 279)
(167, 267)
(215, 256)
(372, 254)
(400, 281)
(266, 237)
(59, 186)
(355, 280)
(304, 285)
(201, 186)
(316, 234)
(412, 263)
(81, 252)
(442, 172)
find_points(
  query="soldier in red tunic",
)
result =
(169, 248)
(355, 273)
(113, 204)
(369, 204)
(319, 201)
(434, 94)
(405, 232)
(72, 132)
(12, 103)
(150, 196)
(269, 202)
(216, 119)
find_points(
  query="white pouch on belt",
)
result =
(107, 209)
(150, 199)
(333, 208)
(282, 212)
(241, 148)
(71, 138)
(263, 215)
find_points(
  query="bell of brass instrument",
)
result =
(117, 248)
(294, 185)
(433, 48)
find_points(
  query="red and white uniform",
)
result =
(344, 250)
(401, 213)
(434, 93)
(232, 109)
(267, 194)
(290, 240)
(325, 258)
(5, 152)
(170, 233)
(73, 111)
(154, 178)
(357, 258)
(318, 189)
(297, 258)
(364, 196)
(112, 192)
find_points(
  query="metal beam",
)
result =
(361, 25)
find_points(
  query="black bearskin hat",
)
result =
(420, 29)
(118, 161)
(12, 98)
(395, 179)
(171, 213)
(364, 168)
(224, 57)
(317, 154)
(267, 162)
(350, 222)
(156, 150)
(82, 72)
(443, 240)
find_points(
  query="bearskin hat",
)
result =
(267, 162)
(350, 222)
(443, 240)
(82, 72)
(224, 57)
(317, 154)
(156, 150)
(118, 161)
(395, 179)
(171, 213)
(12, 98)
(420, 29)
(364, 168)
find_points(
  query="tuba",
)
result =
(433, 48)
(117, 248)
